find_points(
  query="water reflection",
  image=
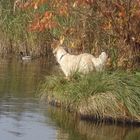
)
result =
(23, 117)
(20, 113)
(75, 129)
(20, 78)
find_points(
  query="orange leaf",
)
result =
(48, 15)
(122, 14)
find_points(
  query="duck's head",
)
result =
(21, 54)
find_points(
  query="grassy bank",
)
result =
(113, 96)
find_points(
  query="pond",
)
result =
(23, 117)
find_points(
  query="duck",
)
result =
(25, 57)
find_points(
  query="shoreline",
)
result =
(126, 121)
(112, 97)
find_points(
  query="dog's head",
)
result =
(56, 44)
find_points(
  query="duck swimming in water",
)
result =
(25, 57)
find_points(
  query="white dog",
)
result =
(83, 63)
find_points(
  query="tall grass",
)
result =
(14, 33)
(107, 94)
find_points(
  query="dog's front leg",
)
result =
(68, 78)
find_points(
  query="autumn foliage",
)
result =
(47, 19)
(92, 25)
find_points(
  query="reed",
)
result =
(109, 95)
(14, 32)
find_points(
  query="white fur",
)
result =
(83, 63)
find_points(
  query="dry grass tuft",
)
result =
(113, 95)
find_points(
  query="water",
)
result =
(23, 117)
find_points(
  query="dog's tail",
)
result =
(103, 57)
(100, 61)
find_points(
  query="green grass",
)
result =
(107, 94)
